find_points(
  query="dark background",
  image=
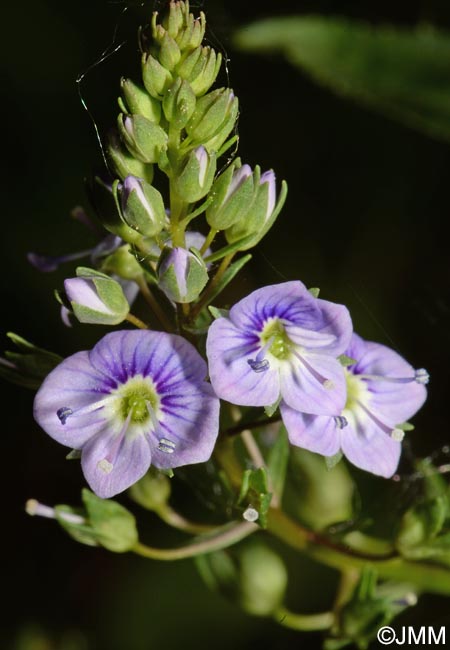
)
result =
(365, 220)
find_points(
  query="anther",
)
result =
(421, 376)
(250, 514)
(63, 413)
(340, 421)
(259, 366)
(167, 446)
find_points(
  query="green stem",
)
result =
(225, 263)
(136, 321)
(304, 622)
(225, 537)
(174, 519)
(258, 460)
(208, 241)
(155, 306)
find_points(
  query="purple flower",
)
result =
(137, 398)
(383, 391)
(280, 341)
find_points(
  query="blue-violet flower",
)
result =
(137, 398)
(280, 341)
(383, 391)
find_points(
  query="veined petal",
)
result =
(188, 429)
(110, 470)
(396, 401)
(316, 384)
(229, 350)
(76, 385)
(317, 433)
(369, 448)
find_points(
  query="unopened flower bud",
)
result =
(181, 25)
(156, 78)
(122, 263)
(196, 175)
(144, 139)
(179, 103)
(152, 491)
(213, 113)
(232, 194)
(262, 213)
(142, 206)
(96, 298)
(181, 274)
(200, 68)
(123, 163)
(139, 102)
(169, 54)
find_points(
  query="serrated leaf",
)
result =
(277, 462)
(332, 461)
(114, 527)
(399, 72)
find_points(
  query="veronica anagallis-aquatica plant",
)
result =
(251, 395)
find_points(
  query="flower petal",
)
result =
(331, 329)
(395, 402)
(317, 433)
(228, 350)
(369, 448)
(188, 427)
(303, 391)
(74, 384)
(131, 461)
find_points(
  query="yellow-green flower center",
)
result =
(275, 335)
(356, 390)
(137, 398)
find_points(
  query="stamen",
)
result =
(260, 363)
(48, 263)
(65, 412)
(394, 433)
(33, 507)
(421, 376)
(166, 445)
(340, 421)
(259, 366)
(326, 383)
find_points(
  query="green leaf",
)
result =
(227, 250)
(114, 527)
(405, 426)
(229, 274)
(314, 291)
(218, 313)
(399, 72)
(29, 366)
(277, 462)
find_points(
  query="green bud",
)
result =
(182, 274)
(144, 139)
(192, 35)
(122, 263)
(181, 25)
(169, 54)
(96, 298)
(142, 206)
(156, 78)
(252, 574)
(173, 20)
(139, 102)
(113, 526)
(200, 68)
(108, 210)
(179, 103)
(420, 525)
(262, 213)
(196, 175)
(214, 112)
(122, 163)
(232, 194)
(152, 491)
